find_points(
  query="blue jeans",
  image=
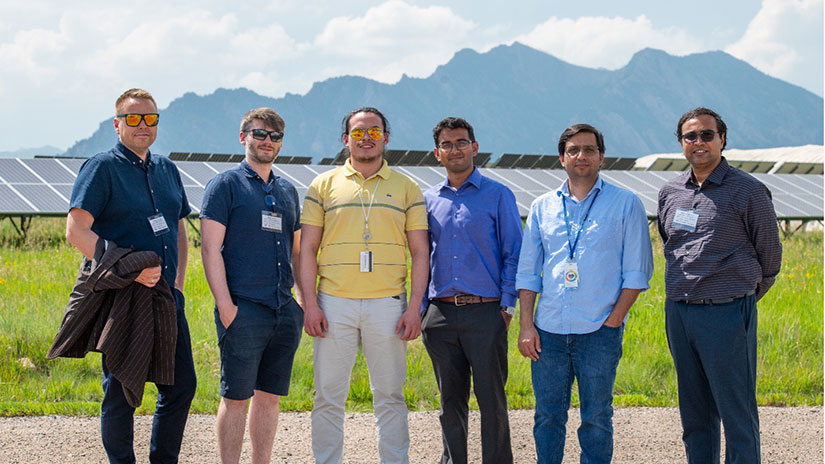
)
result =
(592, 360)
(171, 412)
(714, 352)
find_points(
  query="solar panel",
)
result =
(43, 186)
(481, 159)
(507, 160)
(527, 161)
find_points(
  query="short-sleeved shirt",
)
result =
(122, 193)
(332, 202)
(734, 247)
(257, 258)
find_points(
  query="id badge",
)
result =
(271, 222)
(571, 274)
(685, 219)
(366, 261)
(158, 224)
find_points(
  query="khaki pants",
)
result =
(370, 323)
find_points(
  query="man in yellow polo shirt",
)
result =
(362, 216)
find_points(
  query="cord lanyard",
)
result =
(366, 211)
(572, 245)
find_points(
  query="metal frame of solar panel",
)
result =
(42, 187)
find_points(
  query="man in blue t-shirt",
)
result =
(251, 235)
(132, 198)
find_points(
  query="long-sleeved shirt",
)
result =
(613, 252)
(734, 248)
(475, 238)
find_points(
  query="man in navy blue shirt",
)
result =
(251, 234)
(475, 237)
(132, 198)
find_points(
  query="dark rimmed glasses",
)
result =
(706, 135)
(133, 119)
(260, 134)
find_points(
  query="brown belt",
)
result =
(461, 300)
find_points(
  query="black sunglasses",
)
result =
(706, 135)
(260, 134)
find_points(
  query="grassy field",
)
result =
(36, 277)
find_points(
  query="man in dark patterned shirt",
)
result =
(722, 252)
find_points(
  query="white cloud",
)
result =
(785, 40)
(596, 41)
(392, 39)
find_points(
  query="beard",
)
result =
(259, 157)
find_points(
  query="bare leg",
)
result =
(263, 422)
(231, 423)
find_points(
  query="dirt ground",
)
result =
(642, 435)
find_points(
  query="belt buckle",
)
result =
(463, 301)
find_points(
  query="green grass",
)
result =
(36, 276)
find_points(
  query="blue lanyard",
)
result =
(572, 245)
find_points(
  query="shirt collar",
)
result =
(564, 190)
(132, 157)
(715, 177)
(249, 172)
(474, 180)
(384, 172)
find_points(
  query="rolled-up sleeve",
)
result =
(637, 253)
(531, 256)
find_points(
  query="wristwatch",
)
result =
(510, 310)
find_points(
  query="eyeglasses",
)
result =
(706, 135)
(587, 150)
(374, 133)
(133, 120)
(447, 147)
(260, 134)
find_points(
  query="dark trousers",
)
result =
(171, 412)
(465, 341)
(714, 351)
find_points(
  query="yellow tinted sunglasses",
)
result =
(133, 120)
(374, 133)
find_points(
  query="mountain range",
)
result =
(518, 99)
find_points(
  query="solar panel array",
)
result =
(43, 186)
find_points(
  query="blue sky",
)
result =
(64, 66)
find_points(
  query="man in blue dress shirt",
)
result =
(587, 251)
(475, 235)
(251, 233)
(134, 198)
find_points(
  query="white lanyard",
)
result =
(367, 211)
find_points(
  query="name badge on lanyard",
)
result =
(158, 224)
(270, 221)
(571, 274)
(685, 219)
(571, 268)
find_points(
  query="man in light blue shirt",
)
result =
(586, 249)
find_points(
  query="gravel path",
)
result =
(642, 435)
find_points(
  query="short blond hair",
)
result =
(136, 94)
(267, 115)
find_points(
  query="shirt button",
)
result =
(455, 257)
(165, 247)
(165, 267)
(453, 235)
(278, 243)
(455, 278)
(279, 264)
